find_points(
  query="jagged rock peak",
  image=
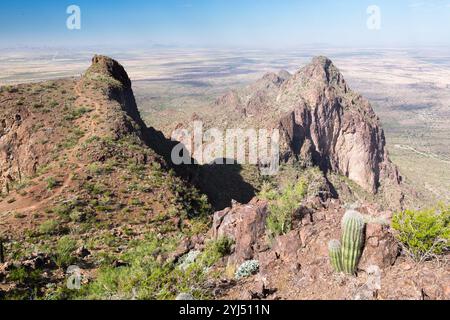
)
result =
(323, 70)
(284, 74)
(109, 67)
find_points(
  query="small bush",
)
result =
(136, 202)
(24, 277)
(64, 250)
(223, 246)
(49, 227)
(214, 251)
(77, 216)
(77, 113)
(51, 183)
(423, 234)
(247, 269)
(38, 105)
(144, 277)
(282, 207)
(18, 275)
(189, 259)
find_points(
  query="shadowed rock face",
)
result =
(334, 126)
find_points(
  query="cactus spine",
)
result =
(345, 257)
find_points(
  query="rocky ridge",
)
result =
(100, 176)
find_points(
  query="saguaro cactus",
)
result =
(345, 255)
(334, 248)
(352, 240)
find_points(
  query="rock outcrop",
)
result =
(245, 225)
(122, 110)
(381, 248)
(322, 122)
(257, 97)
(335, 126)
(35, 121)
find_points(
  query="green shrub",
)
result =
(51, 183)
(424, 233)
(214, 251)
(64, 250)
(18, 275)
(49, 227)
(24, 277)
(282, 207)
(38, 105)
(77, 216)
(223, 246)
(145, 277)
(95, 188)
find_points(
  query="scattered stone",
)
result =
(260, 291)
(184, 247)
(287, 248)
(305, 234)
(37, 261)
(119, 263)
(185, 297)
(364, 293)
(82, 252)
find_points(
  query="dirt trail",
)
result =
(27, 204)
(424, 154)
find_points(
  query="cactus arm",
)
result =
(334, 248)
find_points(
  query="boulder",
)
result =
(381, 248)
(287, 249)
(245, 224)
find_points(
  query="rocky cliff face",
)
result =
(322, 122)
(334, 126)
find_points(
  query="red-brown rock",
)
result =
(245, 224)
(381, 248)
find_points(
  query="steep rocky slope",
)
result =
(80, 182)
(322, 123)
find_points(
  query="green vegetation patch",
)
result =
(283, 205)
(144, 275)
(424, 234)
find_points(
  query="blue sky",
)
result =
(225, 23)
